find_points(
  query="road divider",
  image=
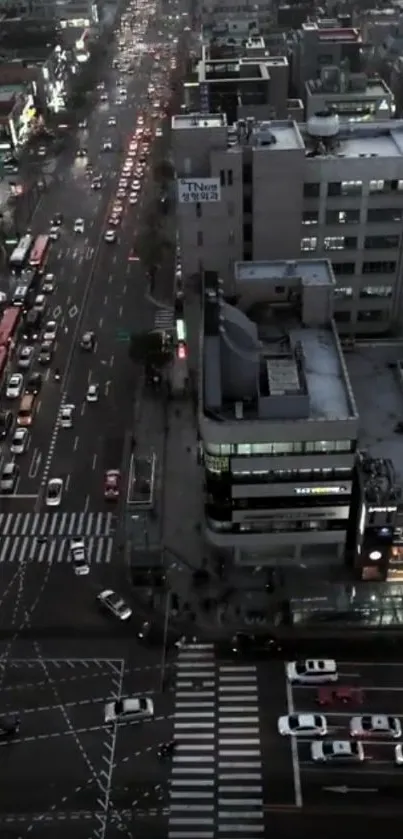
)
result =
(35, 464)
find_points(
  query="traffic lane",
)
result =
(372, 700)
(330, 822)
(377, 775)
(140, 778)
(277, 754)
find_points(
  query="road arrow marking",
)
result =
(344, 789)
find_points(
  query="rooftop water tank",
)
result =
(324, 125)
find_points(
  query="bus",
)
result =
(8, 326)
(20, 254)
(39, 253)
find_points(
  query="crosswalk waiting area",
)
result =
(216, 785)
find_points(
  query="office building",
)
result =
(276, 190)
(353, 96)
(256, 15)
(277, 417)
(78, 13)
(285, 484)
(322, 44)
(234, 86)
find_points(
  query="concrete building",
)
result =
(237, 86)
(46, 71)
(323, 44)
(353, 96)
(262, 191)
(285, 484)
(78, 12)
(257, 15)
(277, 417)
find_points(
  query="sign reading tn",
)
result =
(198, 191)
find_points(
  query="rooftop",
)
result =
(262, 359)
(375, 139)
(369, 89)
(181, 121)
(333, 33)
(378, 389)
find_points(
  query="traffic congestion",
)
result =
(78, 287)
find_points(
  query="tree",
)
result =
(148, 348)
(164, 171)
(151, 243)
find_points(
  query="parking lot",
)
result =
(357, 785)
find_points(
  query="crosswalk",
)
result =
(164, 319)
(216, 787)
(25, 549)
(63, 525)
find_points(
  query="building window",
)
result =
(377, 186)
(247, 173)
(247, 204)
(222, 177)
(339, 243)
(371, 316)
(381, 242)
(343, 293)
(384, 215)
(343, 268)
(310, 217)
(309, 243)
(396, 186)
(376, 291)
(342, 317)
(199, 238)
(198, 210)
(247, 232)
(335, 188)
(230, 177)
(248, 449)
(342, 217)
(311, 190)
(384, 267)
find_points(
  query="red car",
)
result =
(345, 695)
(112, 485)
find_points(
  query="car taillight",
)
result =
(182, 352)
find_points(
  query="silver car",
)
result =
(115, 604)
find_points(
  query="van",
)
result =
(26, 410)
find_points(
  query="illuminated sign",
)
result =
(336, 490)
(200, 191)
(216, 464)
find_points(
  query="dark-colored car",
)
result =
(255, 646)
(46, 352)
(57, 219)
(87, 342)
(32, 325)
(34, 383)
(6, 421)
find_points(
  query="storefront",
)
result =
(21, 121)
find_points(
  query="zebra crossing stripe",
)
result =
(57, 524)
(22, 549)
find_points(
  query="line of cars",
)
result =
(361, 727)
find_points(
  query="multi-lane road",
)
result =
(98, 288)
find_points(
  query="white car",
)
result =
(312, 671)
(54, 492)
(50, 331)
(136, 186)
(48, 283)
(66, 416)
(399, 754)
(337, 751)
(115, 604)
(79, 225)
(107, 145)
(9, 476)
(25, 356)
(303, 725)
(110, 236)
(133, 198)
(369, 725)
(129, 710)
(54, 233)
(40, 303)
(158, 132)
(14, 386)
(80, 563)
(112, 121)
(19, 442)
(92, 393)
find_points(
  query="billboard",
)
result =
(198, 191)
